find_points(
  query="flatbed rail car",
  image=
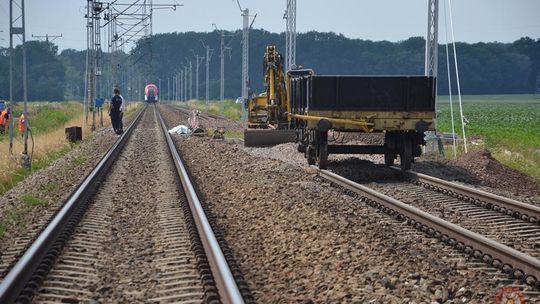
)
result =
(402, 107)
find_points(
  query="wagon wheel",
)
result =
(389, 159)
(406, 154)
(390, 143)
(310, 151)
(323, 149)
(302, 140)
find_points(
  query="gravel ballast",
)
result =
(298, 238)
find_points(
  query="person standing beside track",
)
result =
(115, 110)
(4, 120)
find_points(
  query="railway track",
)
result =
(504, 220)
(130, 233)
(487, 246)
(526, 212)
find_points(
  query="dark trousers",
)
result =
(120, 123)
(115, 120)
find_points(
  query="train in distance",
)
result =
(151, 93)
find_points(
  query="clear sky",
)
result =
(393, 20)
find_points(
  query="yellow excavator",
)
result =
(268, 123)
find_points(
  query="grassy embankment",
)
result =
(47, 121)
(47, 143)
(231, 110)
(507, 125)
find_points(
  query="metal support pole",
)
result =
(11, 52)
(432, 60)
(198, 60)
(222, 71)
(207, 93)
(181, 85)
(197, 77)
(159, 87)
(26, 163)
(190, 80)
(432, 42)
(17, 28)
(290, 35)
(186, 83)
(245, 60)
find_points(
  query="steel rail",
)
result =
(499, 255)
(226, 285)
(16, 280)
(498, 203)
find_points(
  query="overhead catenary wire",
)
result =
(449, 81)
(457, 76)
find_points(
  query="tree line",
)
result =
(485, 68)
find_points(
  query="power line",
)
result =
(48, 38)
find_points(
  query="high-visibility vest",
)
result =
(3, 117)
(21, 124)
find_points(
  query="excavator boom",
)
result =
(268, 124)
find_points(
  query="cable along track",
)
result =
(138, 240)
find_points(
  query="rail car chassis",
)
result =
(314, 143)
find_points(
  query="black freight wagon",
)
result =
(403, 107)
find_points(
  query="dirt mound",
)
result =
(494, 174)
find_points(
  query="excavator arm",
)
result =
(268, 123)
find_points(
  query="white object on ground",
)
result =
(180, 129)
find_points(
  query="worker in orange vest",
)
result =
(21, 124)
(4, 120)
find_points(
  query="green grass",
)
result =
(234, 134)
(51, 116)
(78, 160)
(32, 200)
(509, 126)
(39, 163)
(50, 186)
(46, 116)
(231, 109)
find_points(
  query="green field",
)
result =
(507, 125)
(46, 116)
(231, 110)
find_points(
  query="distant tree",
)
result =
(45, 73)
(75, 64)
(485, 68)
(531, 48)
